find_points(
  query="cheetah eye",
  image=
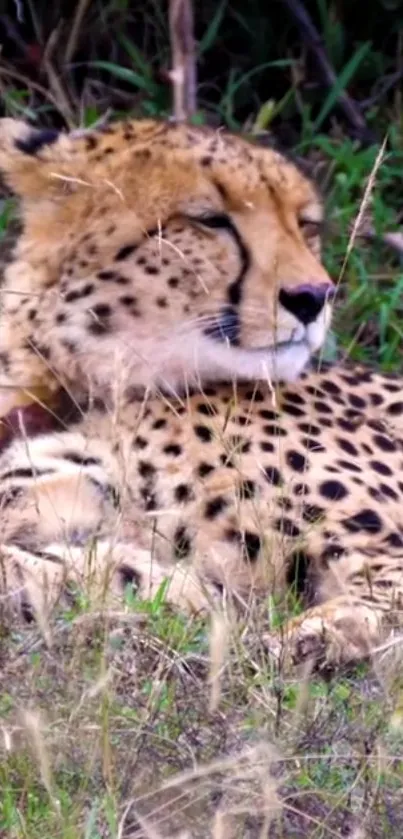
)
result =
(311, 227)
(213, 220)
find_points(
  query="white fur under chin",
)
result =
(197, 359)
(214, 362)
(190, 359)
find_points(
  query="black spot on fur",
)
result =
(309, 428)
(384, 443)
(146, 469)
(140, 442)
(312, 445)
(182, 543)
(149, 497)
(247, 490)
(296, 398)
(172, 449)
(296, 460)
(347, 464)
(273, 476)
(322, 407)
(128, 300)
(333, 490)
(254, 395)
(394, 540)
(356, 401)
(203, 433)
(183, 493)
(125, 252)
(98, 328)
(330, 387)
(347, 425)
(268, 415)
(287, 527)
(205, 469)
(395, 408)
(312, 513)
(301, 489)
(238, 444)
(101, 310)
(347, 446)
(215, 506)
(107, 275)
(366, 520)
(249, 542)
(274, 430)
(79, 293)
(385, 489)
(206, 409)
(380, 467)
(293, 410)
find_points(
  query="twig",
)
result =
(309, 31)
(183, 72)
(5, 70)
(55, 84)
(75, 30)
(386, 84)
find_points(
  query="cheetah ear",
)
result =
(30, 159)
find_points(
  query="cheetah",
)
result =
(168, 279)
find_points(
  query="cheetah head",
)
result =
(162, 254)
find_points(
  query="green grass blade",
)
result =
(340, 85)
(210, 34)
(126, 75)
(136, 56)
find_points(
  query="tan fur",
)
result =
(230, 486)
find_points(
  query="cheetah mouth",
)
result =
(226, 329)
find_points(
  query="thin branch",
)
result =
(183, 72)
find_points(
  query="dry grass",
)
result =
(118, 729)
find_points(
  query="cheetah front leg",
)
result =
(34, 583)
(340, 632)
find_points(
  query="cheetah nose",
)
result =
(306, 301)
